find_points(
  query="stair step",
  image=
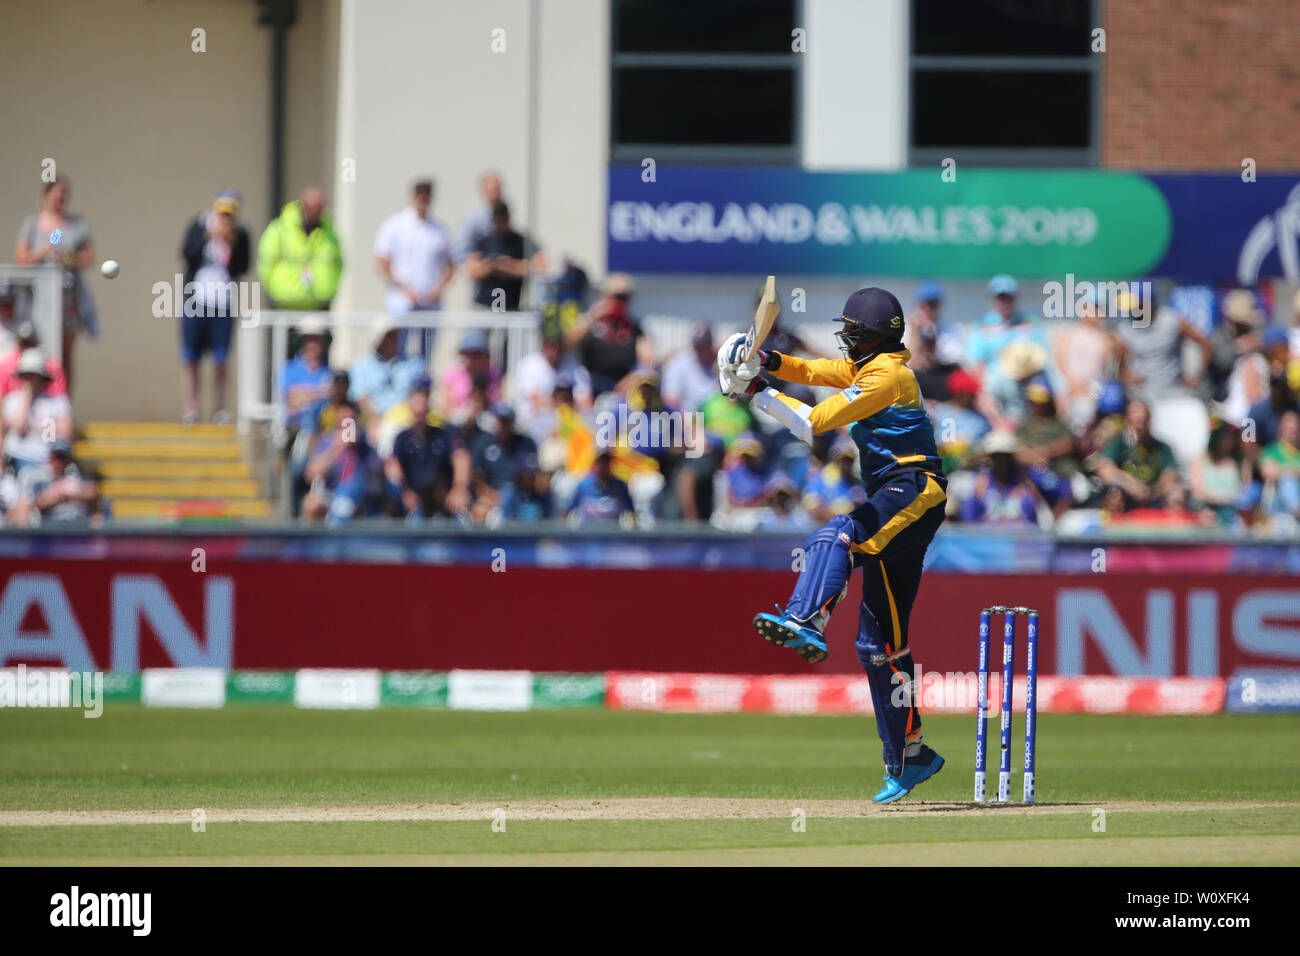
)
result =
(213, 451)
(185, 488)
(161, 508)
(170, 431)
(145, 468)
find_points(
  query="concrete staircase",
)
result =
(171, 471)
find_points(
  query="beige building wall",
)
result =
(148, 130)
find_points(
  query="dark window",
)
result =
(1005, 82)
(1002, 110)
(704, 81)
(705, 107)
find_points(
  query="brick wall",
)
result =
(1201, 84)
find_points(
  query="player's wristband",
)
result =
(770, 361)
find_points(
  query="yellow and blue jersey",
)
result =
(880, 402)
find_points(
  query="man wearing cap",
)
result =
(215, 250)
(943, 344)
(1001, 325)
(886, 536)
(55, 491)
(475, 370)
(413, 255)
(496, 456)
(28, 413)
(25, 338)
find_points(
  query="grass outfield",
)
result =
(601, 786)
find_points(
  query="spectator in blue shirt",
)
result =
(528, 497)
(305, 380)
(748, 474)
(429, 466)
(600, 497)
(496, 457)
(345, 474)
(1004, 492)
(382, 378)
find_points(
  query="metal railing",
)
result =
(46, 280)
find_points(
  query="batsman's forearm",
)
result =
(789, 412)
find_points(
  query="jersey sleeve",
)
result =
(865, 397)
(835, 373)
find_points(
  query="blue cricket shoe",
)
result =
(916, 770)
(783, 630)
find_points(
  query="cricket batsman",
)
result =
(886, 537)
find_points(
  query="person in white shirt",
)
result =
(413, 254)
(32, 419)
(690, 376)
(534, 387)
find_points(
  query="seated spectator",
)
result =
(1279, 466)
(323, 419)
(1086, 353)
(33, 419)
(474, 371)
(609, 341)
(216, 253)
(429, 466)
(1259, 427)
(528, 496)
(835, 489)
(600, 498)
(305, 381)
(783, 513)
(1046, 441)
(382, 378)
(932, 378)
(401, 416)
(1219, 476)
(1139, 464)
(1107, 422)
(534, 386)
(55, 491)
(25, 338)
(345, 474)
(747, 474)
(935, 344)
(299, 257)
(1002, 401)
(1003, 492)
(958, 427)
(690, 376)
(500, 261)
(496, 458)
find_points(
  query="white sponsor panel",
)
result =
(183, 687)
(323, 689)
(490, 690)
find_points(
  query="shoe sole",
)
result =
(781, 636)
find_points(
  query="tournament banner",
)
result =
(1205, 227)
(359, 620)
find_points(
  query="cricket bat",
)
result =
(769, 307)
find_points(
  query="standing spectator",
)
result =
(500, 261)
(1151, 347)
(1086, 354)
(382, 378)
(33, 419)
(413, 255)
(608, 341)
(56, 491)
(305, 380)
(1238, 370)
(429, 466)
(299, 258)
(55, 235)
(690, 376)
(535, 380)
(1138, 463)
(564, 300)
(474, 371)
(344, 473)
(478, 224)
(600, 498)
(215, 250)
(1279, 465)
